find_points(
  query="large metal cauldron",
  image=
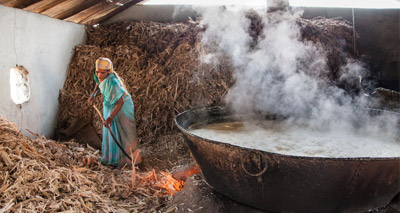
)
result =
(283, 183)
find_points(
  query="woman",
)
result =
(118, 112)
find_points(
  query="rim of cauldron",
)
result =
(279, 154)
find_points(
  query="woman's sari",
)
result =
(123, 125)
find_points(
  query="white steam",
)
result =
(281, 74)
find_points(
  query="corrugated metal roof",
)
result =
(85, 12)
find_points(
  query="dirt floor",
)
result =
(197, 196)
(169, 153)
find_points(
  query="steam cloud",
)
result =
(281, 74)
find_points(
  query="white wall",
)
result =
(44, 46)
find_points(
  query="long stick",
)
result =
(112, 135)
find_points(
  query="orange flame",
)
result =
(169, 183)
(162, 182)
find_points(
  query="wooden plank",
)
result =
(98, 16)
(68, 8)
(12, 3)
(84, 14)
(109, 11)
(18, 3)
(3, 2)
(41, 6)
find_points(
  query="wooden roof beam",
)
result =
(18, 3)
(5, 2)
(98, 15)
(84, 14)
(43, 5)
(68, 8)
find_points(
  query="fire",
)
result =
(174, 183)
(161, 182)
(164, 181)
(169, 183)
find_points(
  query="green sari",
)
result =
(123, 125)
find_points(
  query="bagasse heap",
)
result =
(160, 65)
(43, 175)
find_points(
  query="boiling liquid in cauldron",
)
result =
(273, 136)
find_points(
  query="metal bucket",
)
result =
(284, 183)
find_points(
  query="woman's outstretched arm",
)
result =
(117, 108)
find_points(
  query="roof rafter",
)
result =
(43, 5)
(69, 8)
(4, 2)
(84, 14)
(101, 12)
(77, 11)
(18, 3)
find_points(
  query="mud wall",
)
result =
(44, 47)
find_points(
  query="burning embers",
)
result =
(162, 182)
(183, 173)
(172, 183)
(169, 184)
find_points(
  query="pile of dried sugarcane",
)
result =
(160, 65)
(336, 37)
(41, 175)
(160, 68)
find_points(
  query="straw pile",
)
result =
(41, 175)
(160, 65)
(386, 99)
(336, 38)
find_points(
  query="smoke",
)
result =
(276, 72)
